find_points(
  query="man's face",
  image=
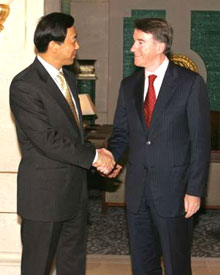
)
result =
(146, 49)
(67, 49)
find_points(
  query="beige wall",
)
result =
(16, 52)
(92, 24)
(52, 6)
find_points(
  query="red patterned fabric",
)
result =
(149, 100)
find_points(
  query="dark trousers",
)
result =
(151, 234)
(43, 240)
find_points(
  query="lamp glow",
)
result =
(87, 106)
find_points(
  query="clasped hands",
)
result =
(106, 164)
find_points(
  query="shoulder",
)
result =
(30, 79)
(188, 81)
(137, 76)
(29, 74)
(182, 72)
(24, 74)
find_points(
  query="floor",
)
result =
(120, 265)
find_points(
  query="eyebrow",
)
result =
(139, 39)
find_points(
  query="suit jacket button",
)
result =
(148, 142)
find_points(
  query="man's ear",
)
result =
(161, 47)
(53, 46)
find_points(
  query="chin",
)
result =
(138, 64)
(70, 62)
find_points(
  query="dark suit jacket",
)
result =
(172, 156)
(55, 155)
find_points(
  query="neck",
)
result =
(155, 63)
(51, 60)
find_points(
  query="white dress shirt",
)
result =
(160, 72)
(53, 72)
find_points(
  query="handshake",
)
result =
(105, 163)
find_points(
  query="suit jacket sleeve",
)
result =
(119, 141)
(198, 115)
(31, 117)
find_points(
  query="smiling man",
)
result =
(162, 116)
(52, 188)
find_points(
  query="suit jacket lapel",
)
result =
(73, 90)
(139, 95)
(51, 88)
(166, 91)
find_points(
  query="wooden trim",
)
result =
(115, 203)
(215, 156)
(8, 172)
(210, 207)
(105, 204)
(123, 204)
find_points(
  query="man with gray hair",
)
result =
(162, 117)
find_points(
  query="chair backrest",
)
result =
(184, 61)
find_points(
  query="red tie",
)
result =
(149, 100)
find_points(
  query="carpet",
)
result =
(108, 233)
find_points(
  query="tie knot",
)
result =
(62, 80)
(61, 75)
(152, 77)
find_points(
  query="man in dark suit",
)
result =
(162, 116)
(52, 195)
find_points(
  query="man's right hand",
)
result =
(105, 162)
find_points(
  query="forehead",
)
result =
(144, 36)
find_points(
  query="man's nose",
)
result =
(77, 45)
(132, 49)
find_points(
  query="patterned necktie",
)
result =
(67, 94)
(149, 100)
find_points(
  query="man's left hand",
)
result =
(115, 171)
(191, 204)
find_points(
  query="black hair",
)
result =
(51, 27)
(159, 28)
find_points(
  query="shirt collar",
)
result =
(160, 71)
(53, 72)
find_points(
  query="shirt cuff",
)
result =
(96, 157)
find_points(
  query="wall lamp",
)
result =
(4, 11)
